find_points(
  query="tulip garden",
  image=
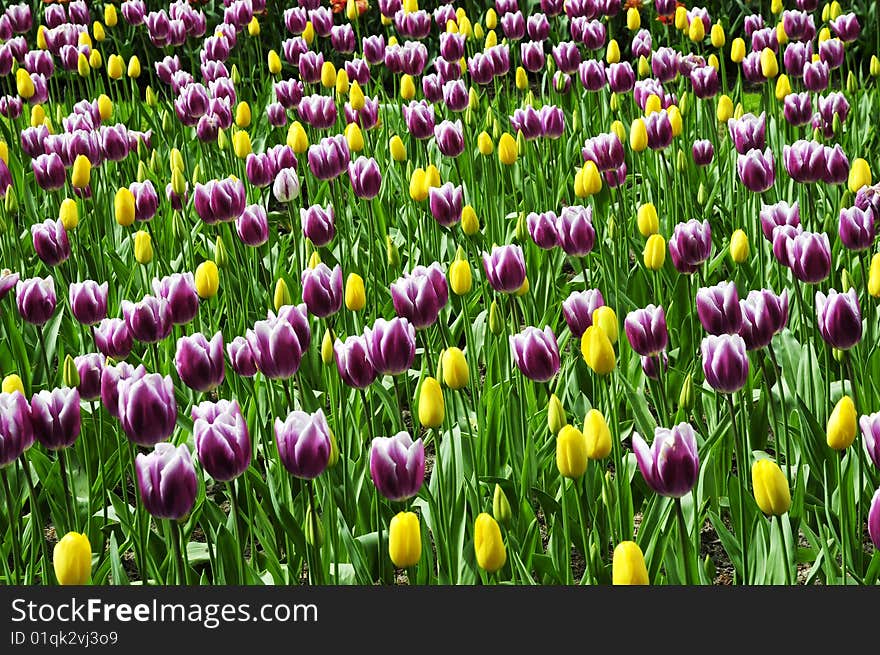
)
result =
(399, 292)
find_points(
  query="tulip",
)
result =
(488, 545)
(718, 308)
(147, 407)
(809, 256)
(571, 452)
(72, 559)
(690, 245)
(771, 488)
(574, 230)
(35, 299)
(859, 175)
(671, 465)
(446, 203)
(304, 443)
(505, 268)
(842, 424)
(143, 247)
(870, 426)
(277, 346)
(207, 279)
(647, 220)
(628, 565)
(874, 520)
(51, 242)
(221, 436)
(764, 315)
(355, 295)
(507, 149)
(756, 170)
(322, 290)
(725, 363)
(856, 228)
(81, 174)
(578, 308)
(739, 246)
(535, 353)
(167, 481)
(199, 363)
(391, 345)
(597, 435)
(405, 540)
(88, 301)
(16, 430)
(654, 255)
(597, 350)
(353, 363)
(149, 320)
(646, 330)
(431, 406)
(56, 418)
(454, 366)
(397, 465)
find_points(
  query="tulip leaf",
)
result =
(118, 573)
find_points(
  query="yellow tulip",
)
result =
(654, 255)
(491, 37)
(771, 488)
(859, 175)
(597, 435)
(68, 214)
(431, 405)
(150, 97)
(297, 138)
(696, 30)
(84, 39)
(327, 348)
(776, 6)
(488, 544)
(874, 67)
(460, 277)
(243, 115)
(647, 220)
(638, 135)
(874, 277)
(110, 17)
(612, 52)
(81, 173)
(571, 452)
(454, 367)
(781, 36)
(633, 19)
(105, 107)
(432, 176)
(555, 414)
(207, 279)
(355, 294)
(405, 540)
(354, 137)
(314, 259)
(653, 104)
(738, 112)
(783, 87)
(13, 383)
(739, 246)
(644, 67)
(484, 143)
(23, 84)
(712, 60)
(397, 148)
(470, 224)
(464, 27)
(407, 87)
(254, 27)
(328, 75)
(769, 64)
(4, 151)
(143, 247)
(842, 424)
(72, 559)
(824, 35)
(41, 37)
(737, 50)
(606, 319)
(274, 62)
(356, 96)
(628, 565)
(597, 350)
(675, 121)
(717, 35)
(522, 78)
(619, 131)
(178, 182)
(342, 84)
(123, 207)
(241, 144)
(38, 115)
(835, 10)
(98, 31)
(134, 67)
(587, 180)
(491, 18)
(418, 185)
(725, 109)
(681, 18)
(410, 6)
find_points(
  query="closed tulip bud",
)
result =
(460, 277)
(697, 31)
(455, 368)
(431, 406)
(653, 104)
(314, 260)
(647, 220)
(834, 10)
(241, 144)
(13, 383)
(38, 115)
(712, 60)
(328, 75)
(488, 545)
(597, 435)
(313, 530)
(501, 506)
(72, 559)
(4, 151)
(769, 63)
(355, 295)
(178, 183)
(10, 203)
(243, 115)
(207, 279)
(776, 6)
(134, 67)
(555, 414)
(405, 540)
(587, 180)
(82, 172)
(724, 111)
(418, 185)
(874, 277)
(522, 79)
(681, 18)
(717, 35)
(619, 131)
(737, 50)
(605, 318)
(496, 319)
(484, 144)
(274, 62)
(397, 149)
(354, 137)
(571, 452)
(628, 565)
(842, 424)
(638, 135)
(644, 67)
(686, 394)
(115, 67)
(783, 87)
(143, 247)
(356, 96)
(681, 162)
(221, 256)
(95, 60)
(859, 175)
(123, 207)
(69, 373)
(392, 255)
(612, 52)
(491, 36)
(874, 66)
(675, 121)
(597, 350)
(110, 17)
(470, 224)
(82, 65)
(407, 87)
(507, 149)
(68, 214)
(739, 247)
(771, 488)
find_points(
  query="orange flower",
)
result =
(339, 6)
(668, 20)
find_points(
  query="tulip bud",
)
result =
(241, 144)
(221, 256)
(681, 161)
(470, 224)
(638, 135)
(313, 530)
(873, 276)
(783, 87)
(134, 67)
(737, 50)
(70, 374)
(605, 318)
(771, 488)
(407, 87)
(501, 506)
(507, 149)
(522, 79)
(405, 540)
(846, 281)
(392, 255)
(13, 383)
(555, 414)
(686, 394)
(859, 175)
(460, 278)
(123, 206)
(597, 435)
(354, 137)
(724, 110)
(717, 35)
(614, 102)
(874, 68)
(82, 65)
(597, 350)
(95, 59)
(739, 247)
(82, 171)
(647, 220)
(207, 279)
(72, 559)
(644, 67)
(68, 214)
(10, 202)
(454, 368)
(178, 182)
(496, 319)
(696, 30)
(521, 232)
(842, 424)
(612, 52)
(274, 62)
(571, 452)
(314, 259)
(654, 255)
(355, 294)
(431, 407)
(253, 27)
(628, 565)
(488, 545)
(143, 247)
(115, 67)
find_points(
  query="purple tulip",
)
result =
(147, 407)
(870, 425)
(286, 186)
(36, 299)
(149, 320)
(49, 171)
(505, 268)
(816, 75)
(179, 289)
(223, 444)
(664, 64)
(705, 82)
(259, 170)
(542, 229)
(241, 357)
(88, 301)
(146, 200)
(642, 44)
(846, 27)
(703, 152)
(874, 520)
(592, 74)
(329, 158)
(276, 347)
(578, 308)
(167, 481)
(604, 150)
(764, 314)
(16, 430)
(367, 117)
(419, 118)
(671, 464)
(796, 56)
(397, 466)
(527, 121)
(765, 38)
(318, 111)
(420, 295)
(725, 362)
(798, 25)
(535, 353)
(455, 95)
(322, 290)
(353, 362)
(304, 443)
(718, 309)
(621, 77)
(252, 226)
(797, 108)
(574, 229)
(659, 130)
(650, 365)
(365, 176)
(450, 138)
(199, 363)
(446, 203)
(532, 55)
(782, 237)
(756, 170)
(318, 224)
(391, 345)
(781, 213)
(690, 245)
(220, 200)
(809, 256)
(856, 228)
(840, 318)
(646, 330)
(56, 417)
